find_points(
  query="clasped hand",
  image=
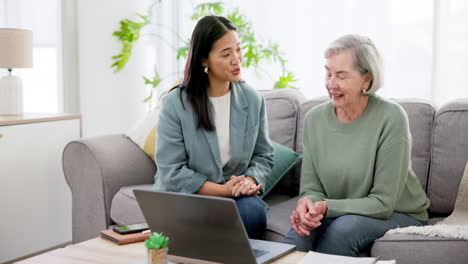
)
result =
(243, 186)
(307, 216)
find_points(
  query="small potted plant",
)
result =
(157, 248)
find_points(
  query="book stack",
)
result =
(114, 237)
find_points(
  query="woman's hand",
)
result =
(321, 207)
(246, 187)
(307, 216)
(232, 183)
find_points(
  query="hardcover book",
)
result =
(119, 239)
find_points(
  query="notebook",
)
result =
(314, 257)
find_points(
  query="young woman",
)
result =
(212, 136)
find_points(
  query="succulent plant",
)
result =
(157, 240)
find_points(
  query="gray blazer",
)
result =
(186, 156)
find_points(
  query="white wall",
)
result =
(109, 102)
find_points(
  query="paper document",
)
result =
(314, 257)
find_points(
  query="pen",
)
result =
(146, 232)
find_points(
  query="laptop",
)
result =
(205, 227)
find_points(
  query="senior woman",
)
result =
(357, 181)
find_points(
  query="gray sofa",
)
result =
(102, 173)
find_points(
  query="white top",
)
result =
(222, 111)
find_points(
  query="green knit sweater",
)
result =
(363, 167)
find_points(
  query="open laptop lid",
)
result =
(198, 226)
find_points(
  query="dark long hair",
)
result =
(207, 31)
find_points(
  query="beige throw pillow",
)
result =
(144, 132)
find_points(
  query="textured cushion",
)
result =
(305, 108)
(284, 159)
(282, 107)
(414, 249)
(125, 209)
(421, 120)
(144, 132)
(278, 215)
(449, 155)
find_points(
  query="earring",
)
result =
(365, 92)
(206, 70)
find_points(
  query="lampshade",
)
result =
(15, 48)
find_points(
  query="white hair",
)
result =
(366, 57)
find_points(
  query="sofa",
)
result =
(103, 171)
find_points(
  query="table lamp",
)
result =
(15, 52)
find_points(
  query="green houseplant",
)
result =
(157, 246)
(256, 52)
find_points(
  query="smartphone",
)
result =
(129, 229)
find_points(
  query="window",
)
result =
(41, 88)
(422, 42)
(451, 38)
(401, 30)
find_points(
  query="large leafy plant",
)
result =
(255, 51)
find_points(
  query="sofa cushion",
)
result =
(282, 107)
(414, 249)
(305, 108)
(144, 132)
(421, 118)
(449, 155)
(434, 220)
(125, 209)
(421, 121)
(278, 215)
(274, 199)
(284, 159)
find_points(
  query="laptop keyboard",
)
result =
(259, 252)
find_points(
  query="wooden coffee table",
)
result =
(101, 251)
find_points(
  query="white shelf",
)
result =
(28, 118)
(35, 201)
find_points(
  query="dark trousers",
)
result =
(253, 213)
(348, 235)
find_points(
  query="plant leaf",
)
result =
(182, 53)
(153, 81)
(205, 9)
(147, 99)
(129, 33)
(284, 81)
(157, 240)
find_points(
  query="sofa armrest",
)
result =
(95, 169)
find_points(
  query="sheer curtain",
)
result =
(422, 42)
(451, 55)
(402, 31)
(40, 84)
